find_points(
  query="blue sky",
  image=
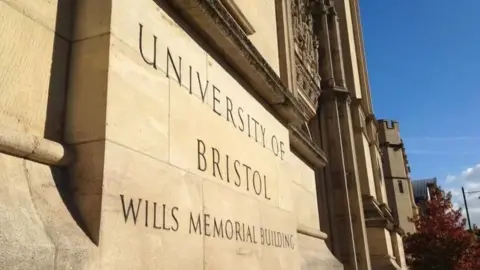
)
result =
(424, 67)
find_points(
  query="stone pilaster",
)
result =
(341, 213)
(398, 249)
(349, 229)
(381, 248)
(336, 48)
(354, 191)
(325, 57)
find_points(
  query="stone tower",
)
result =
(396, 170)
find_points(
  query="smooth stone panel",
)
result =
(282, 254)
(137, 103)
(53, 14)
(302, 174)
(160, 33)
(157, 240)
(28, 77)
(222, 252)
(306, 207)
(286, 175)
(92, 18)
(244, 106)
(195, 128)
(315, 255)
(263, 18)
(86, 106)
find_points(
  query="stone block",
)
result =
(246, 108)
(209, 146)
(263, 18)
(39, 226)
(304, 175)
(315, 255)
(92, 18)
(146, 207)
(85, 181)
(87, 90)
(282, 251)
(55, 15)
(379, 242)
(238, 247)
(255, 235)
(160, 38)
(306, 207)
(32, 72)
(137, 103)
(287, 173)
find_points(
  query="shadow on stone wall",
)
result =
(58, 85)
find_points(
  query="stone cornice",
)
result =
(380, 223)
(308, 150)
(214, 22)
(372, 208)
(338, 93)
(239, 16)
(378, 214)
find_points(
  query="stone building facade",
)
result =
(175, 134)
(397, 175)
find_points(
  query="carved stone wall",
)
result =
(306, 44)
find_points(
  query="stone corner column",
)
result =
(86, 108)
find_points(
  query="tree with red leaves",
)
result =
(440, 240)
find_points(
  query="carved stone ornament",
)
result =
(306, 43)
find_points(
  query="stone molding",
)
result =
(215, 23)
(378, 214)
(238, 15)
(34, 148)
(308, 150)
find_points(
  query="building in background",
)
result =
(421, 191)
(171, 134)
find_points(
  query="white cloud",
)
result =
(470, 180)
(450, 178)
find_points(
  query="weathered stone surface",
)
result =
(52, 14)
(249, 168)
(86, 102)
(161, 37)
(305, 207)
(232, 252)
(44, 234)
(31, 79)
(92, 18)
(137, 104)
(315, 254)
(169, 140)
(286, 256)
(263, 18)
(158, 239)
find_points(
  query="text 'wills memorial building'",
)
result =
(199, 134)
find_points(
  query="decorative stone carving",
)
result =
(306, 43)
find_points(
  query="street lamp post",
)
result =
(466, 206)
